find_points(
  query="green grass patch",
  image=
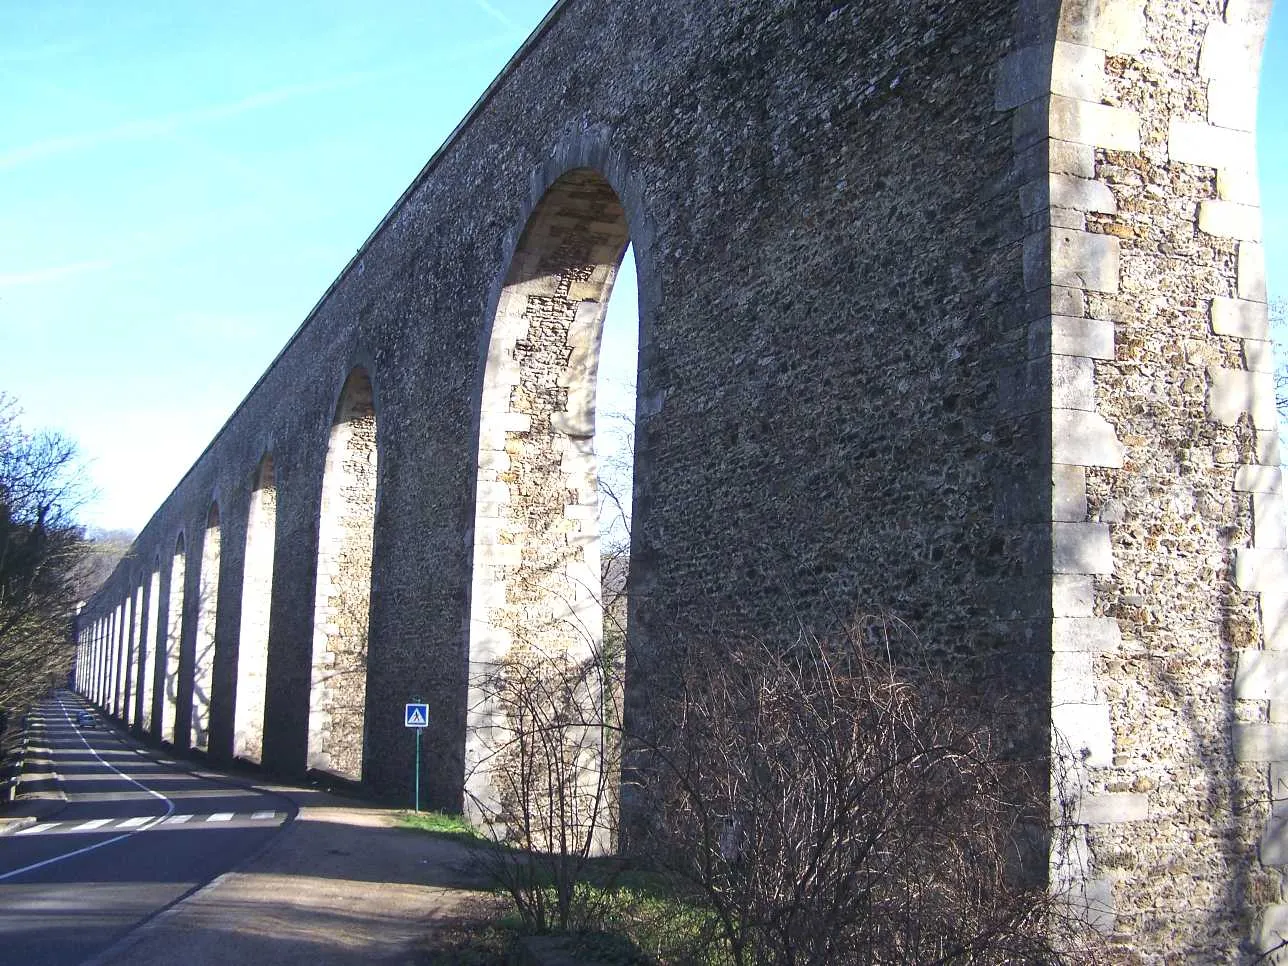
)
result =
(440, 823)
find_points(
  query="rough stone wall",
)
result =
(1159, 391)
(252, 663)
(207, 615)
(337, 697)
(952, 311)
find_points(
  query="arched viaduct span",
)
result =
(955, 310)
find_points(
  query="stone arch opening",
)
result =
(346, 529)
(203, 664)
(152, 646)
(257, 597)
(173, 636)
(537, 596)
(119, 645)
(133, 602)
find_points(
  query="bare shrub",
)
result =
(551, 752)
(833, 807)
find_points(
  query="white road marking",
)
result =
(179, 819)
(259, 816)
(220, 817)
(136, 822)
(37, 829)
(91, 825)
(169, 809)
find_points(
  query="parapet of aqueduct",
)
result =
(953, 310)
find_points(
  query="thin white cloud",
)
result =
(52, 273)
(147, 128)
(494, 13)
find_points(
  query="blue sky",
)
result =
(179, 183)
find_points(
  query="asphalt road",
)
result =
(139, 832)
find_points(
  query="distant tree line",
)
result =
(47, 566)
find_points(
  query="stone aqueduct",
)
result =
(952, 310)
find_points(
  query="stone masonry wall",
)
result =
(949, 311)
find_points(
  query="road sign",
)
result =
(416, 716)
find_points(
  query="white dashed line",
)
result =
(91, 825)
(178, 819)
(136, 822)
(260, 816)
(221, 817)
(37, 829)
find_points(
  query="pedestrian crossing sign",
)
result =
(416, 716)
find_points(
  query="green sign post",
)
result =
(416, 717)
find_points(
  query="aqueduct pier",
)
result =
(950, 310)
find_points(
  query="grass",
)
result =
(442, 824)
(629, 918)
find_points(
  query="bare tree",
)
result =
(41, 551)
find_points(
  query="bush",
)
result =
(833, 808)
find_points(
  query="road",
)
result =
(139, 832)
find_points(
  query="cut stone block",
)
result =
(1081, 548)
(1258, 569)
(1239, 185)
(1084, 260)
(1083, 194)
(1073, 678)
(1073, 384)
(1068, 493)
(1227, 219)
(1194, 142)
(1238, 317)
(1258, 356)
(1072, 595)
(1261, 675)
(1252, 271)
(1084, 438)
(1083, 733)
(1233, 392)
(1260, 742)
(1274, 618)
(1269, 519)
(1091, 635)
(1116, 128)
(1230, 50)
(1255, 478)
(1063, 335)
(1232, 103)
(1110, 808)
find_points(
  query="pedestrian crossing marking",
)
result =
(148, 822)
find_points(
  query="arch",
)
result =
(119, 645)
(138, 664)
(173, 636)
(130, 611)
(154, 647)
(536, 584)
(346, 530)
(203, 666)
(257, 597)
